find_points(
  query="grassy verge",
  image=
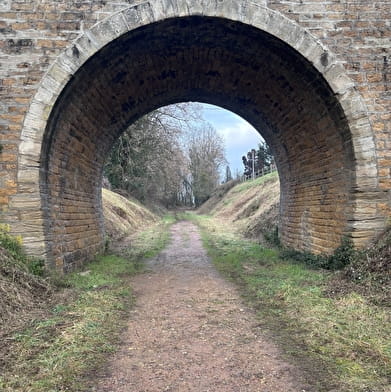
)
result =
(60, 351)
(254, 183)
(341, 343)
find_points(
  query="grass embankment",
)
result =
(21, 290)
(252, 207)
(124, 216)
(62, 348)
(343, 343)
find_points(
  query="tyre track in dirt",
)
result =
(190, 331)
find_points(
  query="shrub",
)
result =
(36, 266)
(13, 245)
(272, 236)
(307, 258)
(344, 255)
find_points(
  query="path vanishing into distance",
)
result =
(190, 331)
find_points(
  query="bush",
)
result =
(36, 266)
(272, 236)
(13, 245)
(307, 258)
(344, 255)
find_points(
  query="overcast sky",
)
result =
(239, 136)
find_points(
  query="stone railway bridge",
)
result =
(312, 75)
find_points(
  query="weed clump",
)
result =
(21, 283)
(369, 273)
(272, 237)
(343, 256)
(375, 261)
(13, 246)
(11, 243)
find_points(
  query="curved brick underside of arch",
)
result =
(237, 55)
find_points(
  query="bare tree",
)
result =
(148, 161)
(228, 174)
(206, 157)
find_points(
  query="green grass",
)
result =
(59, 351)
(341, 343)
(253, 183)
(169, 219)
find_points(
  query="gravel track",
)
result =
(190, 331)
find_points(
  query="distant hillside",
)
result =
(124, 216)
(252, 205)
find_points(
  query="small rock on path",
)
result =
(190, 331)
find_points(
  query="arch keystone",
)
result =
(139, 15)
(338, 79)
(109, 29)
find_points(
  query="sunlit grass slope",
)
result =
(251, 206)
(124, 216)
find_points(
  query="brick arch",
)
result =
(343, 119)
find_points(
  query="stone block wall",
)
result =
(359, 33)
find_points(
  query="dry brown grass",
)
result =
(124, 216)
(20, 292)
(217, 196)
(252, 206)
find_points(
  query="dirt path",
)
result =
(189, 331)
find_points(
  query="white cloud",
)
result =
(239, 135)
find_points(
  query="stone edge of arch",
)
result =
(144, 13)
